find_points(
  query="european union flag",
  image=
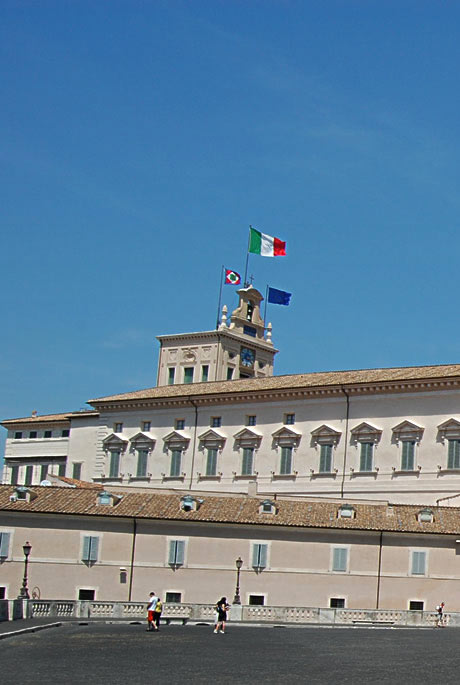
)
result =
(278, 296)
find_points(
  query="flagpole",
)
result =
(220, 297)
(265, 308)
(247, 259)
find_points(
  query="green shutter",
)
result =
(176, 552)
(366, 456)
(325, 459)
(339, 561)
(407, 458)
(211, 462)
(418, 563)
(286, 460)
(4, 545)
(175, 462)
(453, 455)
(142, 457)
(248, 453)
(94, 548)
(114, 468)
(86, 548)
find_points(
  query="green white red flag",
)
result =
(265, 245)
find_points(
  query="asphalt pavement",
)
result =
(120, 653)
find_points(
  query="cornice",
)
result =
(273, 394)
(215, 335)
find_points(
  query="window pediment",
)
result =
(176, 440)
(325, 435)
(248, 438)
(407, 431)
(212, 439)
(449, 430)
(114, 442)
(286, 437)
(365, 432)
(142, 441)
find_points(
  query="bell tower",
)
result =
(242, 348)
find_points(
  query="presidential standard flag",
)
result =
(232, 277)
(265, 245)
(278, 296)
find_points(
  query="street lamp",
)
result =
(24, 592)
(237, 598)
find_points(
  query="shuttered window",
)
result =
(142, 457)
(176, 456)
(367, 449)
(211, 462)
(248, 459)
(90, 548)
(286, 460)
(29, 474)
(4, 545)
(325, 459)
(407, 455)
(176, 552)
(418, 563)
(339, 559)
(114, 467)
(259, 555)
(453, 457)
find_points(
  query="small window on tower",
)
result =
(250, 311)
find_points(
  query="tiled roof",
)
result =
(234, 509)
(294, 382)
(49, 418)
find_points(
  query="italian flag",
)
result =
(265, 245)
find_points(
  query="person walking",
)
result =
(157, 613)
(221, 607)
(153, 600)
(440, 615)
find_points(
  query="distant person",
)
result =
(440, 615)
(221, 607)
(153, 600)
(157, 613)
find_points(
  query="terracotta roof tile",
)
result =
(231, 509)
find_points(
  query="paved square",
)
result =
(127, 653)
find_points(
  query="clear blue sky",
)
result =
(141, 138)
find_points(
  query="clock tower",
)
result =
(241, 348)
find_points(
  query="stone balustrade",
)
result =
(204, 613)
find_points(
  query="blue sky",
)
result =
(141, 138)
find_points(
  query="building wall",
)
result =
(299, 569)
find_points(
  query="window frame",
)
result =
(176, 551)
(289, 419)
(338, 552)
(415, 556)
(259, 555)
(90, 546)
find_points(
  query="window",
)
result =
(142, 457)
(2, 592)
(171, 375)
(44, 471)
(4, 545)
(289, 419)
(90, 548)
(176, 457)
(61, 470)
(86, 595)
(146, 426)
(339, 559)
(453, 454)
(248, 459)
(65, 432)
(286, 460)
(416, 605)
(257, 600)
(179, 424)
(173, 597)
(176, 553)
(29, 475)
(251, 420)
(18, 435)
(418, 563)
(407, 455)
(216, 421)
(229, 373)
(32, 434)
(211, 462)
(48, 434)
(114, 464)
(367, 449)
(204, 373)
(14, 474)
(259, 556)
(188, 374)
(117, 427)
(76, 470)
(325, 458)
(337, 603)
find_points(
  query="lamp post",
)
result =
(237, 598)
(24, 592)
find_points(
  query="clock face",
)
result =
(247, 356)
